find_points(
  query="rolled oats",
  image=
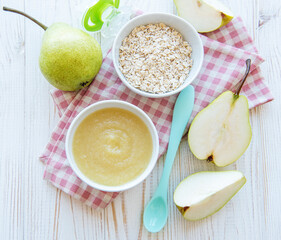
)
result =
(155, 58)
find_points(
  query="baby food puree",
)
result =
(112, 146)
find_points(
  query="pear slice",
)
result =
(204, 193)
(204, 15)
(221, 132)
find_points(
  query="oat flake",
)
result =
(155, 58)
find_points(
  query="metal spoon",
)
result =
(156, 212)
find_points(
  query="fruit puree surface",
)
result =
(112, 146)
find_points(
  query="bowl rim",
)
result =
(118, 104)
(166, 94)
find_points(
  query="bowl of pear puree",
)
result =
(112, 145)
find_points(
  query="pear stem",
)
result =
(24, 14)
(248, 64)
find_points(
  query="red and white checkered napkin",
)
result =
(224, 64)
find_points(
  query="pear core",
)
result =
(69, 58)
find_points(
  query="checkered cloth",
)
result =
(224, 65)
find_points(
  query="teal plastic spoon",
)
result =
(156, 212)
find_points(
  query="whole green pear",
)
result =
(69, 58)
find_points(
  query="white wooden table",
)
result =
(31, 208)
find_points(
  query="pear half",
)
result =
(221, 132)
(204, 193)
(204, 15)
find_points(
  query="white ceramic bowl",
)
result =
(183, 27)
(111, 104)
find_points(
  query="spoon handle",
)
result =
(181, 114)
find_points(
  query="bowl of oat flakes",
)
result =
(157, 54)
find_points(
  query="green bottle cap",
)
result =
(94, 14)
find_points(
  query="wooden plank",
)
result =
(12, 81)
(37, 122)
(269, 117)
